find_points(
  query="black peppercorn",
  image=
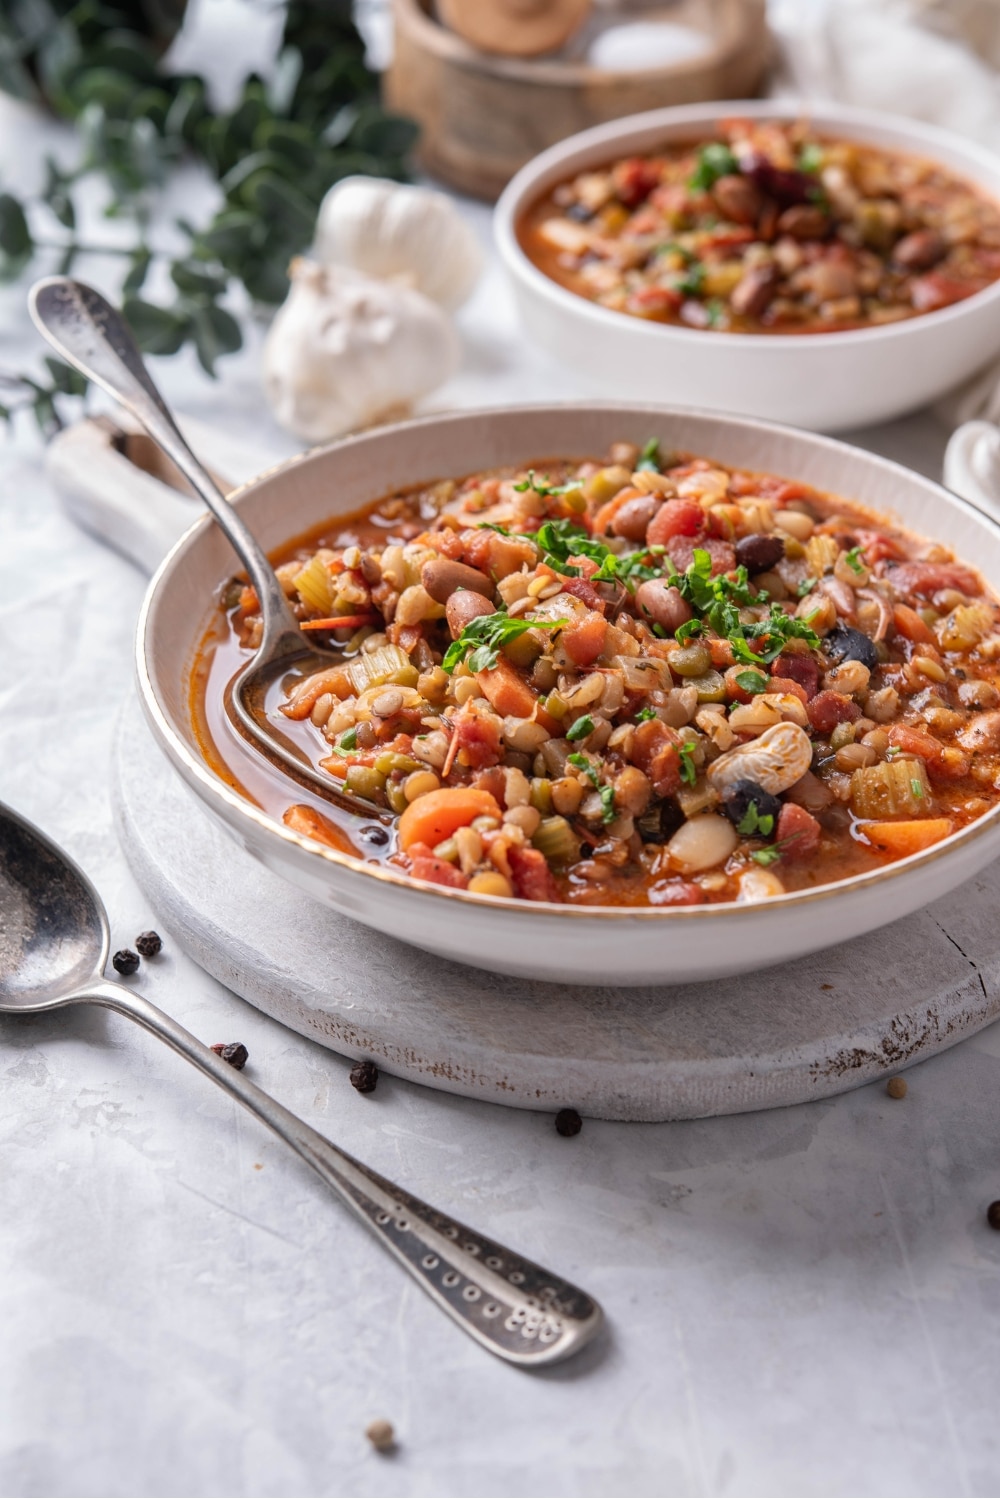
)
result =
(234, 1053)
(148, 944)
(993, 1215)
(568, 1122)
(125, 961)
(364, 1077)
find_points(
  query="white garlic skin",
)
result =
(345, 351)
(391, 230)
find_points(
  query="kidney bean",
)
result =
(920, 250)
(737, 198)
(759, 552)
(755, 292)
(441, 577)
(634, 517)
(787, 187)
(806, 221)
(463, 607)
(665, 606)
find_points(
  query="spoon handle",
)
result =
(93, 336)
(513, 1307)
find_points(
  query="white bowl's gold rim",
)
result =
(213, 788)
(524, 188)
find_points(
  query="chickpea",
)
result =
(567, 794)
(632, 791)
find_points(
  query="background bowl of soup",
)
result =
(839, 377)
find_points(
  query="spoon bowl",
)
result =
(53, 948)
(91, 335)
(53, 932)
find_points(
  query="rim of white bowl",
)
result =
(215, 789)
(529, 183)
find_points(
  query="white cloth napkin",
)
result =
(934, 60)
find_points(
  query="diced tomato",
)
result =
(769, 485)
(533, 880)
(676, 893)
(681, 550)
(927, 578)
(654, 751)
(801, 668)
(909, 624)
(828, 709)
(425, 865)
(938, 289)
(675, 518)
(721, 653)
(797, 832)
(788, 685)
(634, 179)
(581, 589)
(654, 301)
(585, 642)
(877, 547)
(478, 737)
(944, 762)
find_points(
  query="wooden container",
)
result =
(483, 116)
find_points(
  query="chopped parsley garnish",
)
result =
(559, 540)
(754, 824)
(806, 587)
(692, 280)
(714, 161)
(769, 855)
(607, 793)
(483, 637)
(580, 728)
(718, 601)
(542, 486)
(810, 157)
(716, 310)
(853, 560)
(684, 632)
(916, 786)
(645, 714)
(649, 458)
(752, 682)
(347, 742)
(689, 772)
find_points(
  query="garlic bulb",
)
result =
(408, 233)
(346, 350)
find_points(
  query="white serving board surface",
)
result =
(796, 1032)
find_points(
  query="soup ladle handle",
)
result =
(91, 335)
(511, 1306)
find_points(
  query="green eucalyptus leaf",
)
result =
(65, 380)
(16, 242)
(137, 272)
(282, 203)
(267, 281)
(284, 80)
(158, 330)
(195, 279)
(294, 145)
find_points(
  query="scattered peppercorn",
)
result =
(896, 1088)
(234, 1053)
(993, 1215)
(381, 1435)
(568, 1122)
(364, 1077)
(148, 944)
(125, 961)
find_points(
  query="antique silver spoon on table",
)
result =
(54, 943)
(92, 336)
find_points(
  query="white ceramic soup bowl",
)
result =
(604, 945)
(825, 381)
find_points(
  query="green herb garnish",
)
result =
(687, 631)
(752, 682)
(347, 742)
(482, 639)
(916, 787)
(716, 310)
(718, 601)
(607, 803)
(769, 855)
(806, 587)
(754, 824)
(645, 714)
(542, 486)
(810, 158)
(607, 793)
(649, 458)
(714, 161)
(692, 280)
(689, 772)
(853, 560)
(580, 728)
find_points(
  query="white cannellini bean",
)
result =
(775, 761)
(701, 843)
(758, 885)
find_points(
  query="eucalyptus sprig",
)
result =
(274, 156)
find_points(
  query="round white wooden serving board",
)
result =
(779, 1036)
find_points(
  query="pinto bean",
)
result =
(463, 607)
(441, 577)
(804, 222)
(665, 606)
(634, 517)
(737, 198)
(982, 732)
(755, 291)
(920, 250)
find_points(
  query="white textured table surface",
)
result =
(800, 1302)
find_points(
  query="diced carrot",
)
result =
(338, 622)
(909, 624)
(944, 762)
(900, 839)
(425, 865)
(434, 817)
(509, 694)
(313, 825)
(608, 511)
